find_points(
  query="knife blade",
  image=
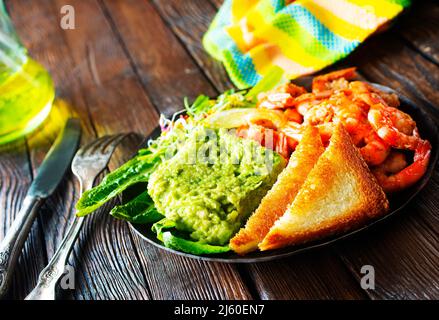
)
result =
(57, 161)
(48, 177)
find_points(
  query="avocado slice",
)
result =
(165, 229)
(140, 210)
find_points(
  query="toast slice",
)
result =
(283, 192)
(340, 193)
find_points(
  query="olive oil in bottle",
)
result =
(26, 89)
(26, 97)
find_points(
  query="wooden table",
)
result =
(126, 62)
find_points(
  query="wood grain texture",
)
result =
(428, 204)
(189, 20)
(106, 261)
(128, 59)
(15, 179)
(404, 254)
(173, 277)
(217, 3)
(115, 102)
(421, 29)
(168, 73)
(314, 275)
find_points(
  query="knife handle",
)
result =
(12, 245)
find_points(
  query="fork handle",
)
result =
(12, 245)
(53, 272)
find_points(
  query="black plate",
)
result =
(428, 130)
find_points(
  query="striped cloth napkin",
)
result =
(301, 37)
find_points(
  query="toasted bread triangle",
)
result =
(283, 192)
(340, 193)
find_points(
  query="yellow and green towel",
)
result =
(301, 37)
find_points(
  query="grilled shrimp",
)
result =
(393, 182)
(375, 150)
(318, 114)
(282, 97)
(268, 138)
(395, 162)
(336, 80)
(372, 118)
(392, 125)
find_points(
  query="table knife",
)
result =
(48, 177)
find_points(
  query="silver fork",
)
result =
(87, 164)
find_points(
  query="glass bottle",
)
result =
(26, 88)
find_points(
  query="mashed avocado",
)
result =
(211, 186)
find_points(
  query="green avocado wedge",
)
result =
(197, 248)
(140, 210)
(165, 230)
(134, 171)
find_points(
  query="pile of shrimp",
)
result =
(387, 138)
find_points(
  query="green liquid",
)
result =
(26, 97)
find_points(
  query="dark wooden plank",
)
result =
(166, 70)
(175, 277)
(404, 254)
(15, 178)
(189, 20)
(106, 262)
(420, 27)
(424, 258)
(427, 203)
(304, 277)
(68, 103)
(217, 3)
(169, 74)
(109, 92)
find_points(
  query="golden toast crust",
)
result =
(283, 192)
(340, 170)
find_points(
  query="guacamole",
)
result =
(213, 183)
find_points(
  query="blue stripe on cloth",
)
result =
(244, 66)
(277, 5)
(319, 31)
(216, 35)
